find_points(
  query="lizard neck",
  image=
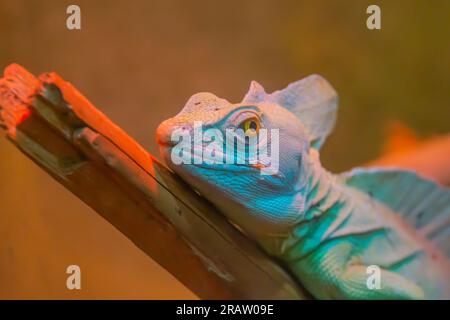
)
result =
(322, 191)
(319, 199)
(327, 203)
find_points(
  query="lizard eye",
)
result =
(252, 124)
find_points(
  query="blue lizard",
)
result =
(327, 228)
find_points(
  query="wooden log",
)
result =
(61, 131)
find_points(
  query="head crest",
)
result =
(312, 99)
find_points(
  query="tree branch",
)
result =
(61, 131)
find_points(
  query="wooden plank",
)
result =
(54, 125)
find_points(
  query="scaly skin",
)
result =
(326, 230)
(345, 232)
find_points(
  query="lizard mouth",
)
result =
(229, 167)
(200, 162)
(197, 159)
(164, 141)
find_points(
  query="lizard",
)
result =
(328, 229)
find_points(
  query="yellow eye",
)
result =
(250, 124)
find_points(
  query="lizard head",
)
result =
(251, 158)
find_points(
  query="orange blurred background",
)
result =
(139, 61)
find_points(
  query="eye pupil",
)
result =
(250, 124)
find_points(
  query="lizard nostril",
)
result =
(165, 130)
(163, 133)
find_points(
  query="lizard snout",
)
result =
(165, 130)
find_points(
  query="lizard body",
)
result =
(328, 229)
(347, 231)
